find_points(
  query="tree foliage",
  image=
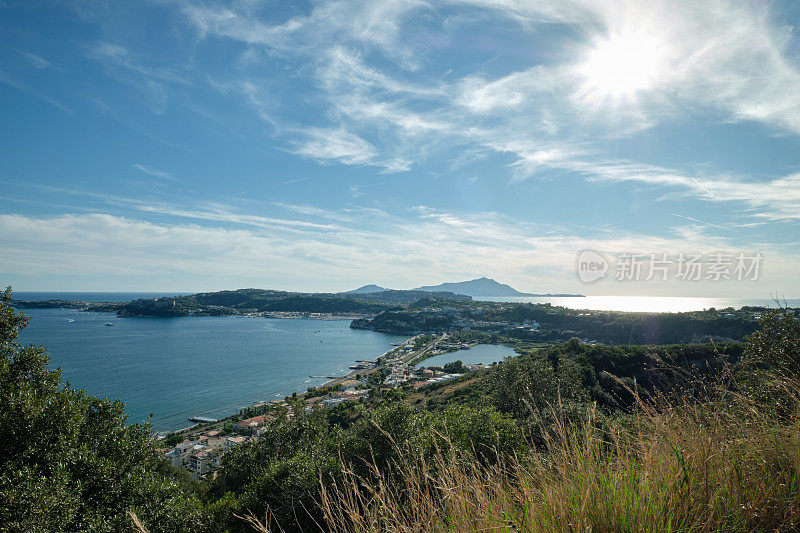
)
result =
(68, 460)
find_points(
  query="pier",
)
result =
(202, 419)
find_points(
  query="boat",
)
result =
(71, 320)
(109, 323)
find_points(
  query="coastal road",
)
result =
(406, 358)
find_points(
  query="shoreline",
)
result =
(350, 375)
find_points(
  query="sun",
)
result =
(621, 66)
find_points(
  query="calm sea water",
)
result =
(651, 304)
(196, 366)
(92, 296)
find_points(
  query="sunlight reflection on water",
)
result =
(648, 304)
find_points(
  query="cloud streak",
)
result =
(726, 56)
(399, 251)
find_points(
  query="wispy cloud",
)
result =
(329, 144)
(376, 24)
(315, 212)
(162, 174)
(13, 81)
(36, 61)
(725, 55)
(428, 246)
(151, 82)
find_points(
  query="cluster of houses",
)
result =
(398, 375)
(203, 453)
(349, 390)
(437, 379)
(401, 373)
(306, 314)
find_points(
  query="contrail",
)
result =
(700, 221)
(702, 187)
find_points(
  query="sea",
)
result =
(647, 304)
(168, 369)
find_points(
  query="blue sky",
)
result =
(191, 145)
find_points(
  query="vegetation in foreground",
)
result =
(716, 447)
(569, 437)
(69, 461)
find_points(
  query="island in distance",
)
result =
(367, 289)
(477, 288)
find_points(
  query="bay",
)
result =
(196, 366)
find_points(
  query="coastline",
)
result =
(350, 375)
(201, 426)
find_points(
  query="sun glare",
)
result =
(622, 65)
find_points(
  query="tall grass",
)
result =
(724, 464)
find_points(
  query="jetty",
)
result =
(202, 420)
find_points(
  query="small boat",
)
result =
(71, 320)
(109, 323)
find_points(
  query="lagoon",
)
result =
(481, 354)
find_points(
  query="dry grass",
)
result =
(726, 465)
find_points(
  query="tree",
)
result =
(482, 430)
(771, 359)
(68, 460)
(776, 344)
(454, 367)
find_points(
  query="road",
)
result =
(407, 358)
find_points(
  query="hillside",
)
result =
(243, 301)
(563, 434)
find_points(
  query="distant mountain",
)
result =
(476, 287)
(366, 289)
(473, 288)
(407, 297)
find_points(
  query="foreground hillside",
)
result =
(683, 438)
(564, 437)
